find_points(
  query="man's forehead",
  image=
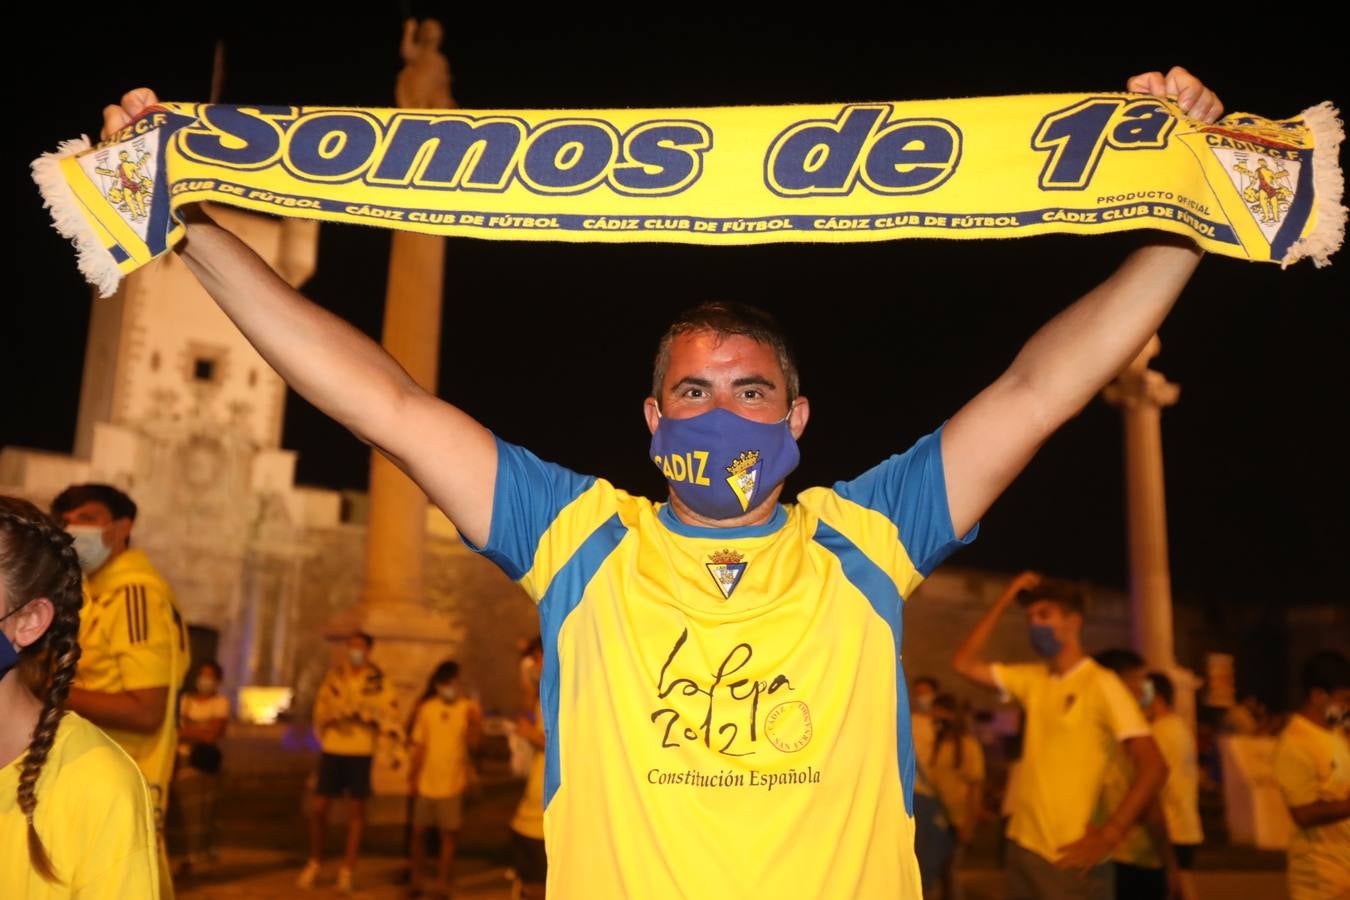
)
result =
(703, 348)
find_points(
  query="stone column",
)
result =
(410, 638)
(1141, 394)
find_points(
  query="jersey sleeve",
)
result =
(910, 490)
(540, 513)
(118, 821)
(145, 631)
(1296, 773)
(419, 729)
(330, 703)
(1015, 680)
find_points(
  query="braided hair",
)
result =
(37, 560)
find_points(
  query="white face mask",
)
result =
(1336, 715)
(448, 692)
(89, 546)
(924, 703)
(1146, 698)
(357, 657)
(206, 685)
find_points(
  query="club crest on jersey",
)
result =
(726, 568)
(744, 476)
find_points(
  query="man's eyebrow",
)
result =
(755, 380)
(691, 381)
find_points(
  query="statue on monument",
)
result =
(424, 82)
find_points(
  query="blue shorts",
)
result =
(344, 775)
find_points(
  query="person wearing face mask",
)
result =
(1146, 867)
(1312, 769)
(203, 713)
(134, 640)
(446, 728)
(955, 766)
(353, 707)
(1181, 793)
(530, 862)
(733, 633)
(932, 825)
(1076, 711)
(75, 813)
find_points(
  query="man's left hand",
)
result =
(1195, 100)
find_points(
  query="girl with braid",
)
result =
(75, 814)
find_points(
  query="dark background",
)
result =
(550, 345)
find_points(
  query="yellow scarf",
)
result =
(1249, 187)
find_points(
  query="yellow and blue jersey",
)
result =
(725, 707)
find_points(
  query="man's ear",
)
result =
(798, 416)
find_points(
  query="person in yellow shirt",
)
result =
(527, 825)
(447, 727)
(955, 768)
(75, 815)
(1312, 769)
(1076, 711)
(1181, 793)
(933, 845)
(354, 706)
(133, 639)
(1145, 866)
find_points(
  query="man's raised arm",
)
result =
(337, 368)
(992, 438)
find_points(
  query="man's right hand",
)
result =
(1024, 581)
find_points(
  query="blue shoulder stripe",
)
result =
(874, 584)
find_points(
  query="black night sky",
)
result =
(550, 344)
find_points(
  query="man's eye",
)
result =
(694, 393)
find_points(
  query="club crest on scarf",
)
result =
(726, 568)
(126, 181)
(744, 476)
(1263, 160)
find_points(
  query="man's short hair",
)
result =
(725, 318)
(119, 504)
(928, 680)
(1119, 660)
(369, 641)
(1064, 594)
(1163, 687)
(1326, 670)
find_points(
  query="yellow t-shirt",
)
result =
(726, 711)
(353, 707)
(94, 817)
(1312, 764)
(1181, 793)
(441, 731)
(132, 637)
(954, 783)
(1073, 723)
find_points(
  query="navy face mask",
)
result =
(1044, 642)
(722, 465)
